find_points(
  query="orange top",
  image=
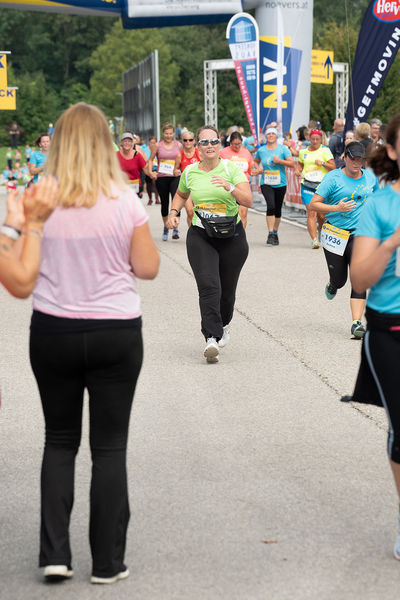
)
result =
(243, 158)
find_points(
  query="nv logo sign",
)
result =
(7, 95)
(275, 64)
(271, 100)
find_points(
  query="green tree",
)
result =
(121, 50)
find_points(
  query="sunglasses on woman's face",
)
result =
(188, 140)
(213, 142)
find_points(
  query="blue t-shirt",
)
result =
(275, 172)
(336, 185)
(37, 159)
(146, 150)
(379, 219)
(249, 143)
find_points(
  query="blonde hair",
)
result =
(167, 126)
(82, 156)
(363, 130)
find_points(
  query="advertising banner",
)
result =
(243, 39)
(7, 95)
(377, 46)
(168, 13)
(89, 7)
(290, 25)
(269, 65)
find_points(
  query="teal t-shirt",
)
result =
(273, 174)
(37, 159)
(379, 219)
(336, 185)
(208, 199)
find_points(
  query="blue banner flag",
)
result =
(243, 38)
(270, 73)
(377, 46)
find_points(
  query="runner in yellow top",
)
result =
(314, 163)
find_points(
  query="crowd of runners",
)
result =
(78, 238)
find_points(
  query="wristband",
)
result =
(232, 187)
(10, 232)
(35, 232)
(177, 211)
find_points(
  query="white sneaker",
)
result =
(226, 336)
(117, 577)
(57, 572)
(211, 350)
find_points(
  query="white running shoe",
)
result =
(226, 336)
(57, 572)
(117, 577)
(211, 350)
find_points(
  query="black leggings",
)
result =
(382, 350)
(106, 362)
(274, 198)
(165, 187)
(338, 268)
(216, 264)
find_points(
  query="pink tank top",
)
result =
(166, 159)
(85, 272)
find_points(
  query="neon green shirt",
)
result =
(310, 170)
(208, 199)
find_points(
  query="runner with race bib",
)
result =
(345, 191)
(165, 152)
(315, 162)
(273, 158)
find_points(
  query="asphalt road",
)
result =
(249, 480)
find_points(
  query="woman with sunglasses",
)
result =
(187, 156)
(243, 159)
(217, 186)
(165, 152)
(315, 162)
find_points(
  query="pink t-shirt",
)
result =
(85, 272)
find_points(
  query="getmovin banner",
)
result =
(377, 46)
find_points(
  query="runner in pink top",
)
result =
(166, 152)
(243, 159)
(86, 334)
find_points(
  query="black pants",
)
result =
(165, 187)
(382, 350)
(274, 198)
(107, 363)
(216, 264)
(338, 268)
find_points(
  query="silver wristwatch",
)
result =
(232, 187)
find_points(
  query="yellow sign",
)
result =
(322, 66)
(7, 95)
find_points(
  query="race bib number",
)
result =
(272, 177)
(314, 176)
(210, 209)
(134, 184)
(166, 166)
(334, 239)
(242, 164)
